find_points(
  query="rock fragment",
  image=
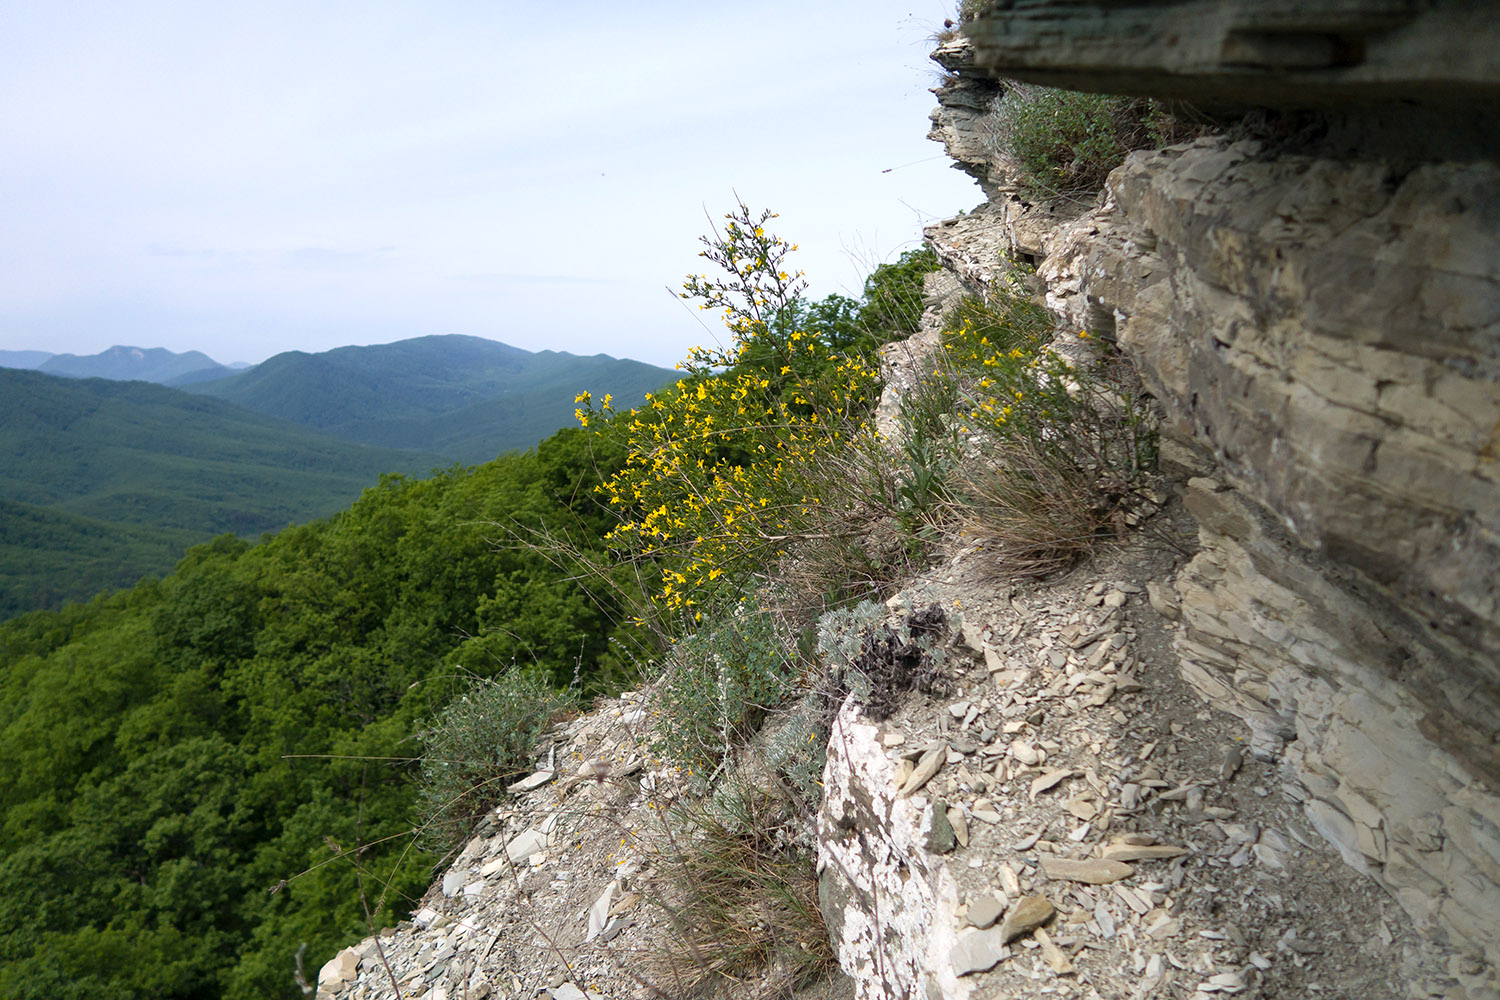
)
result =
(1092, 871)
(1052, 954)
(524, 845)
(931, 762)
(977, 950)
(985, 910)
(1164, 600)
(1233, 758)
(1223, 982)
(535, 780)
(599, 912)
(1026, 753)
(1027, 915)
(940, 835)
(1049, 779)
(960, 824)
(1140, 852)
(1008, 881)
(339, 969)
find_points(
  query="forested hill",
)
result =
(142, 364)
(465, 397)
(104, 482)
(152, 803)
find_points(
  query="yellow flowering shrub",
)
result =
(720, 478)
(1064, 432)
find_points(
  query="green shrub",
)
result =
(1066, 142)
(482, 741)
(892, 299)
(1064, 435)
(889, 307)
(1005, 318)
(718, 685)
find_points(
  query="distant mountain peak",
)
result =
(464, 396)
(125, 362)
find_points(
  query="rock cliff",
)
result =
(1320, 325)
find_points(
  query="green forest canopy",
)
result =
(149, 807)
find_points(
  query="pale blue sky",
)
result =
(247, 178)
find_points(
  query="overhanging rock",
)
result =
(1250, 53)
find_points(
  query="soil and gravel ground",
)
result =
(1071, 732)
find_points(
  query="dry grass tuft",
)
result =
(742, 899)
(1034, 516)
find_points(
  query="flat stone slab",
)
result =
(985, 910)
(1141, 852)
(1093, 871)
(978, 950)
(525, 844)
(536, 780)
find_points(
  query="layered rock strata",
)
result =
(1248, 52)
(1323, 336)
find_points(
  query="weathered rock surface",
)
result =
(1249, 52)
(879, 887)
(1323, 335)
(1329, 334)
(1110, 852)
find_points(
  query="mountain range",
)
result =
(123, 363)
(104, 480)
(467, 398)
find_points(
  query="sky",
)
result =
(249, 178)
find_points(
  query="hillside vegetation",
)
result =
(107, 481)
(158, 838)
(206, 772)
(466, 397)
(48, 556)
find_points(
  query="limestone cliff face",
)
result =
(1322, 332)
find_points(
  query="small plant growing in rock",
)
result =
(1064, 143)
(879, 659)
(1064, 431)
(479, 743)
(719, 683)
(743, 898)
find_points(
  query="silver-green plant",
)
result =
(483, 740)
(719, 684)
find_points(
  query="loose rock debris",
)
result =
(1081, 825)
(1129, 844)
